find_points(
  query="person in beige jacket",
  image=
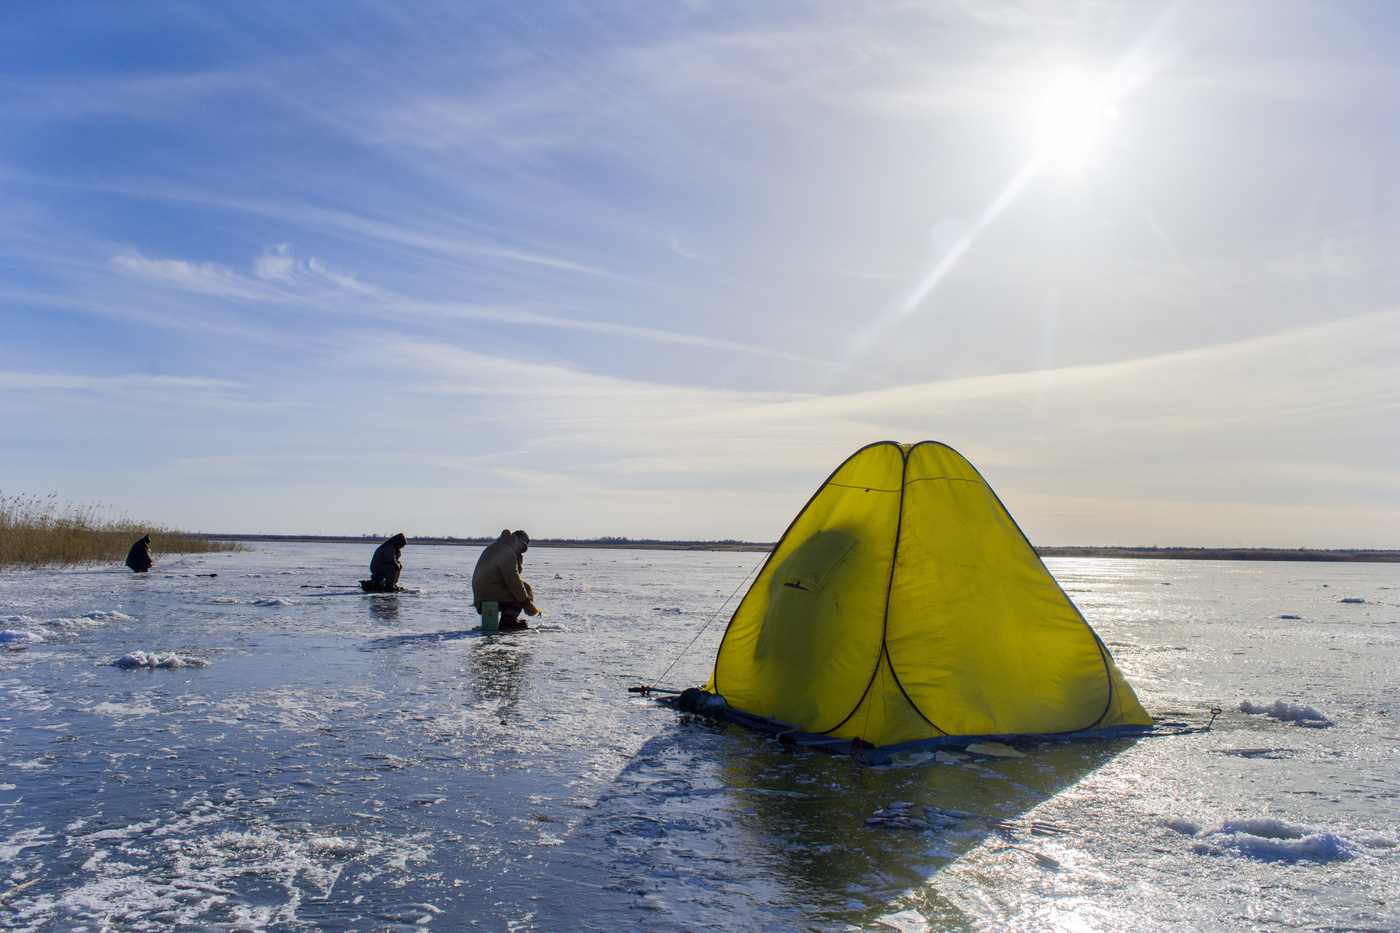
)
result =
(497, 579)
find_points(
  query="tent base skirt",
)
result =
(713, 706)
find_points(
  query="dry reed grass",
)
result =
(35, 531)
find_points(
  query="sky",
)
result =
(654, 269)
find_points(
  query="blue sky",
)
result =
(655, 269)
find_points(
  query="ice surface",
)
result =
(351, 762)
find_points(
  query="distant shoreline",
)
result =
(613, 543)
(1336, 555)
(1354, 555)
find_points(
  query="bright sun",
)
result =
(1071, 118)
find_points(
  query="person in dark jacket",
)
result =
(497, 579)
(139, 557)
(384, 567)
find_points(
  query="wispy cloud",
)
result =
(46, 382)
(1177, 407)
(203, 278)
(1099, 441)
(456, 242)
(280, 278)
(674, 242)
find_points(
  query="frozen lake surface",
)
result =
(286, 753)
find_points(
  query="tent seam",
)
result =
(883, 657)
(889, 662)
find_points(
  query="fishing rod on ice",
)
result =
(1160, 729)
(648, 689)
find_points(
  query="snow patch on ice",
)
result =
(1378, 842)
(155, 659)
(11, 637)
(96, 617)
(334, 845)
(16, 623)
(1270, 839)
(202, 884)
(99, 616)
(1185, 827)
(1284, 711)
(17, 842)
(117, 710)
(1265, 827)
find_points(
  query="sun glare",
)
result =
(1071, 118)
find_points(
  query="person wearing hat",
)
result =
(384, 566)
(497, 579)
(139, 557)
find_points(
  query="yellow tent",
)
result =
(904, 603)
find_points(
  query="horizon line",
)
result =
(1182, 552)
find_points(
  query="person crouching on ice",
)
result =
(139, 557)
(384, 566)
(497, 579)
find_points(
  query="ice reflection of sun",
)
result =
(1072, 115)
